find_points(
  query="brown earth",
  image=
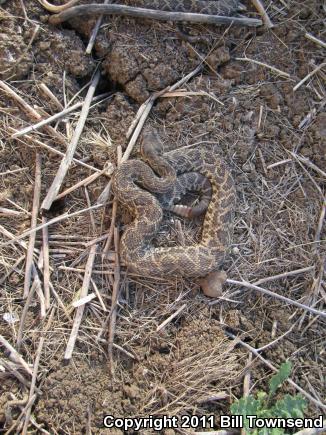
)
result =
(189, 366)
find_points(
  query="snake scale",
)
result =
(159, 181)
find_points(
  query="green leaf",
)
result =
(273, 431)
(278, 379)
(246, 406)
(290, 406)
(267, 431)
(261, 396)
(287, 407)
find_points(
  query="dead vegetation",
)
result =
(140, 346)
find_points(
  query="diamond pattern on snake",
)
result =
(159, 181)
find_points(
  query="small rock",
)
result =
(212, 283)
(218, 57)
(131, 391)
(235, 251)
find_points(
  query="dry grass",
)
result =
(184, 385)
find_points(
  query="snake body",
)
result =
(158, 181)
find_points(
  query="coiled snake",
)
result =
(169, 177)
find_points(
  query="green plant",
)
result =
(287, 407)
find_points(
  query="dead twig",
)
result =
(53, 151)
(321, 221)
(55, 117)
(24, 314)
(307, 77)
(246, 383)
(277, 296)
(107, 171)
(148, 107)
(50, 95)
(19, 207)
(32, 236)
(24, 10)
(315, 40)
(80, 309)
(110, 235)
(17, 239)
(170, 318)
(115, 297)
(67, 160)
(114, 212)
(12, 269)
(91, 215)
(62, 305)
(105, 194)
(39, 292)
(35, 370)
(136, 119)
(13, 370)
(262, 12)
(113, 9)
(265, 65)
(83, 301)
(9, 212)
(80, 270)
(281, 162)
(14, 171)
(46, 263)
(10, 236)
(15, 356)
(308, 163)
(94, 33)
(272, 343)
(98, 295)
(23, 412)
(122, 350)
(284, 275)
(30, 112)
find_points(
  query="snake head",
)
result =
(151, 143)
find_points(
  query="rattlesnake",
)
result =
(178, 171)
